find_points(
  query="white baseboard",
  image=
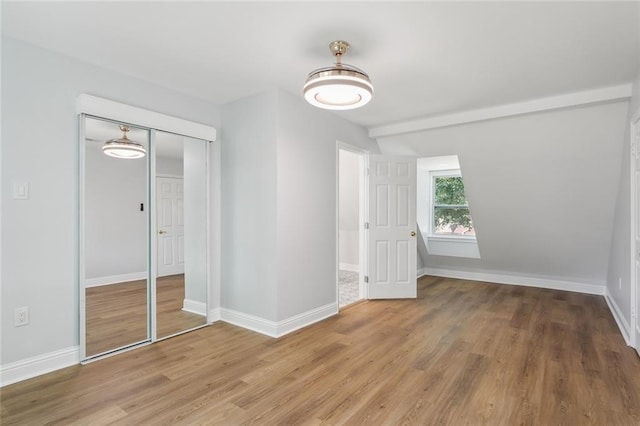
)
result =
(421, 272)
(279, 328)
(621, 321)
(195, 307)
(519, 280)
(214, 315)
(304, 319)
(38, 365)
(250, 322)
(115, 279)
(349, 267)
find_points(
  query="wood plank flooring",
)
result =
(171, 318)
(117, 313)
(463, 353)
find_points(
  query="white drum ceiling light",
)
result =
(339, 87)
(123, 147)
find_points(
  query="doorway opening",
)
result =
(351, 220)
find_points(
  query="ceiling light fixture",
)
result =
(123, 147)
(340, 86)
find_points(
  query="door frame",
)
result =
(363, 217)
(634, 152)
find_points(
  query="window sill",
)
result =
(456, 238)
(453, 246)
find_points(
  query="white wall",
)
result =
(619, 268)
(542, 189)
(306, 202)
(349, 207)
(249, 161)
(166, 166)
(115, 228)
(279, 204)
(39, 146)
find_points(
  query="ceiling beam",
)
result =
(587, 97)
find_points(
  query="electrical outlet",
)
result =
(21, 316)
(619, 282)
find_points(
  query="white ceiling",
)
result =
(424, 58)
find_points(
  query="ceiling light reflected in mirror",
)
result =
(124, 147)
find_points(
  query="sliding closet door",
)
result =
(143, 252)
(181, 233)
(114, 239)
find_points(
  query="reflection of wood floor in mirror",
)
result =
(117, 313)
(171, 318)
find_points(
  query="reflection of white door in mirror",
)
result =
(170, 202)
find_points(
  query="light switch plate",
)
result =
(20, 190)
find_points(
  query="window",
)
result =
(451, 215)
(442, 210)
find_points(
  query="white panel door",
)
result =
(392, 227)
(635, 277)
(170, 220)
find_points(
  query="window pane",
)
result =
(449, 190)
(453, 221)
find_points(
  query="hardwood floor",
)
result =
(464, 353)
(117, 314)
(171, 318)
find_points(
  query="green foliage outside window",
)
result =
(451, 211)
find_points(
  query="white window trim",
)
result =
(431, 235)
(440, 244)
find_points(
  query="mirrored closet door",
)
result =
(115, 234)
(181, 233)
(143, 235)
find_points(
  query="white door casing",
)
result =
(635, 225)
(392, 227)
(170, 223)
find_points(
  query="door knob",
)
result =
(413, 233)
(162, 232)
